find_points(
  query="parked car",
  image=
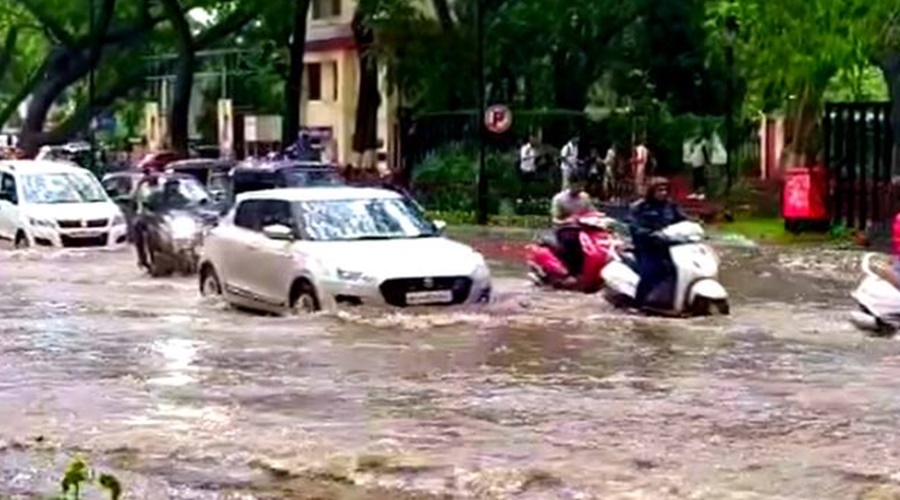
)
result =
(258, 175)
(304, 249)
(48, 203)
(213, 174)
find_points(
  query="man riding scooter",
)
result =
(565, 206)
(649, 216)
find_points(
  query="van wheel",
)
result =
(303, 298)
(21, 241)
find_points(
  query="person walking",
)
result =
(640, 158)
(568, 160)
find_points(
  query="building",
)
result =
(331, 80)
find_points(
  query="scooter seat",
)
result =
(549, 240)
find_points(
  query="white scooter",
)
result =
(878, 300)
(696, 289)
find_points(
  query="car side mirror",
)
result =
(279, 232)
(440, 226)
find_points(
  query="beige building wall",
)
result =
(334, 105)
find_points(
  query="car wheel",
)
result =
(303, 298)
(209, 283)
(21, 241)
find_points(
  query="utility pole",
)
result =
(91, 125)
(482, 166)
(730, 35)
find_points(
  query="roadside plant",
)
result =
(79, 477)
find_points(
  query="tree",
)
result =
(789, 51)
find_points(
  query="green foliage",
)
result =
(448, 178)
(78, 476)
(789, 51)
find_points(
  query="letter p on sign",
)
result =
(498, 119)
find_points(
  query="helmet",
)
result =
(657, 182)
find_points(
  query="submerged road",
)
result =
(539, 395)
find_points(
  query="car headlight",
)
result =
(118, 220)
(41, 222)
(481, 268)
(183, 228)
(355, 276)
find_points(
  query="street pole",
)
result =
(482, 166)
(91, 137)
(730, 34)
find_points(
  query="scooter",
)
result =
(878, 300)
(599, 242)
(695, 290)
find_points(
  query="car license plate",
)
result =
(429, 297)
(83, 234)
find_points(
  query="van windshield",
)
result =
(62, 187)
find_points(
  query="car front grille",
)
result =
(394, 291)
(89, 241)
(73, 224)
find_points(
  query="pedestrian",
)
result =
(701, 156)
(610, 170)
(568, 160)
(528, 157)
(640, 158)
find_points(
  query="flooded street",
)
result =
(537, 396)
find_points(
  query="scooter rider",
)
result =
(567, 204)
(649, 216)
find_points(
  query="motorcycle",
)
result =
(173, 239)
(599, 242)
(878, 301)
(695, 290)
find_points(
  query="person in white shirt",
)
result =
(527, 157)
(568, 160)
(639, 162)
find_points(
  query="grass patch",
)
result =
(772, 231)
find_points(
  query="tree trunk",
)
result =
(365, 135)
(180, 111)
(293, 84)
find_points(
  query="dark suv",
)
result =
(262, 175)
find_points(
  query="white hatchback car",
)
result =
(303, 249)
(56, 204)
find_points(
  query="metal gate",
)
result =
(858, 155)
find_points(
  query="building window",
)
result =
(325, 9)
(314, 81)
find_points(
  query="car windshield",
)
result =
(62, 187)
(310, 177)
(363, 219)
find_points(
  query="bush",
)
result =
(448, 179)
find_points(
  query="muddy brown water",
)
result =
(537, 396)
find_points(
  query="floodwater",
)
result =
(538, 396)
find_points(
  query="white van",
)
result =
(56, 204)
